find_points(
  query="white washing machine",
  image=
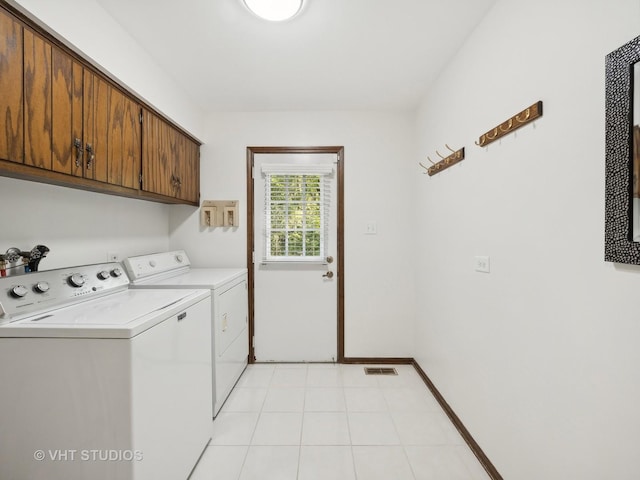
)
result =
(99, 381)
(229, 313)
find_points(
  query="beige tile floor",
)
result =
(333, 422)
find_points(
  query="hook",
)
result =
(452, 150)
(526, 117)
(440, 155)
(432, 162)
(426, 168)
(503, 130)
(483, 140)
(495, 134)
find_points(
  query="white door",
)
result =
(295, 280)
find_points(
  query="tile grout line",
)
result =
(346, 412)
(304, 399)
(255, 427)
(455, 448)
(395, 426)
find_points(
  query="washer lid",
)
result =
(121, 315)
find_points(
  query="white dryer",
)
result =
(99, 381)
(229, 313)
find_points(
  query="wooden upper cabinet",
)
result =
(11, 100)
(170, 160)
(65, 123)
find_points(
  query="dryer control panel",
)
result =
(155, 264)
(22, 295)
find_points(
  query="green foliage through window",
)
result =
(294, 216)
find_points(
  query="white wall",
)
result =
(79, 227)
(540, 357)
(379, 305)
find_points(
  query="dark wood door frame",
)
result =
(339, 151)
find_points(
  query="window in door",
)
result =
(296, 214)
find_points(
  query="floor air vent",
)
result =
(380, 371)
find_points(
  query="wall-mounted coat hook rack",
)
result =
(446, 162)
(527, 115)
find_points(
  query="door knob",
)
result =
(329, 259)
(329, 274)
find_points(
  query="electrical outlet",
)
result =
(482, 264)
(113, 257)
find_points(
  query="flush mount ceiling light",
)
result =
(274, 10)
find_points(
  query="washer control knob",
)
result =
(152, 263)
(19, 291)
(116, 272)
(103, 275)
(179, 258)
(41, 287)
(76, 280)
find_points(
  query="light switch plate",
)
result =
(482, 264)
(371, 228)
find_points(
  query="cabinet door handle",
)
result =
(92, 155)
(78, 144)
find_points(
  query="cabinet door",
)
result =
(37, 101)
(188, 171)
(151, 171)
(193, 154)
(96, 126)
(180, 169)
(157, 156)
(53, 106)
(77, 112)
(123, 140)
(131, 144)
(111, 134)
(66, 115)
(11, 100)
(170, 160)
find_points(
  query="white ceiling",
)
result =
(335, 55)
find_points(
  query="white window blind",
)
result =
(296, 209)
